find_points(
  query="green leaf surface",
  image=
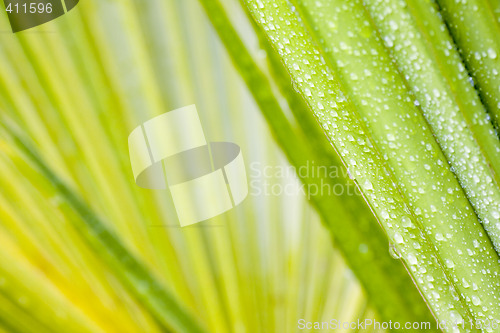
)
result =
(439, 86)
(348, 218)
(475, 27)
(383, 159)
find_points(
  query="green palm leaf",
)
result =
(378, 91)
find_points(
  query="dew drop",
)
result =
(492, 54)
(412, 259)
(393, 252)
(398, 238)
